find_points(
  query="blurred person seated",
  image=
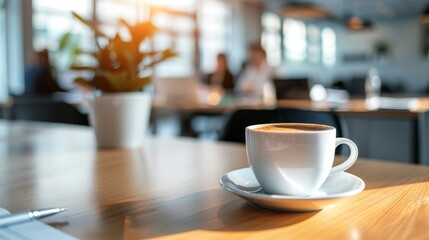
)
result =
(256, 79)
(222, 77)
(38, 76)
(218, 92)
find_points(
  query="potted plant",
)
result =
(382, 49)
(119, 110)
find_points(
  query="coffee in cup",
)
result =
(294, 158)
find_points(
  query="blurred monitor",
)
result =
(292, 88)
(177, 89)
(356, 86)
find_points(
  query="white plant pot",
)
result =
(120, 120)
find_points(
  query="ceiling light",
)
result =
(304, 11)
(356, 23)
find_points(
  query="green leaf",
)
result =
(118, 80)
(140, 83)
(89, 24)
(64, 40)
(83, 68)
(98, 82)
(125, 55)
(166, 54)
(139, 31)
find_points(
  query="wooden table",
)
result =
(168, 189)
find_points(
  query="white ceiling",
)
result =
(374, 10)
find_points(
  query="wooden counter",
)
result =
(169, 189)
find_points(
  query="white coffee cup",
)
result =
(294, 158)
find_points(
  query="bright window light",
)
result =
(213, 17)
(313, 38)
(270, 38)
(295, 40)
(329, 46)
(183, 5)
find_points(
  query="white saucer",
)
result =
(333, 189)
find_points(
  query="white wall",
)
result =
(3, 69)
(19, 41)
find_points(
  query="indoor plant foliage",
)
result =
(121, 66)
(120, 114)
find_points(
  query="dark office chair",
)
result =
(294, 88)
(356, 86)
(236, 123)
(44, 109)
(234, 130)
(291, 115)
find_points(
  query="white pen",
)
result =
(28, 215)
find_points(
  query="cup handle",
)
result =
(352, 158)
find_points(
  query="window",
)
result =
(109, 11)
(213, 20)
(295, 40)
(52, 18)
(179, 5)
(270, 39)
(313, 38)
(3, 54)
(310, 43)
(329, 46)
(177, 28)
(176, 21)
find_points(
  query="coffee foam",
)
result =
(293, 128)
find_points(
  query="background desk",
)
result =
(169, 189)
(400, 135)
